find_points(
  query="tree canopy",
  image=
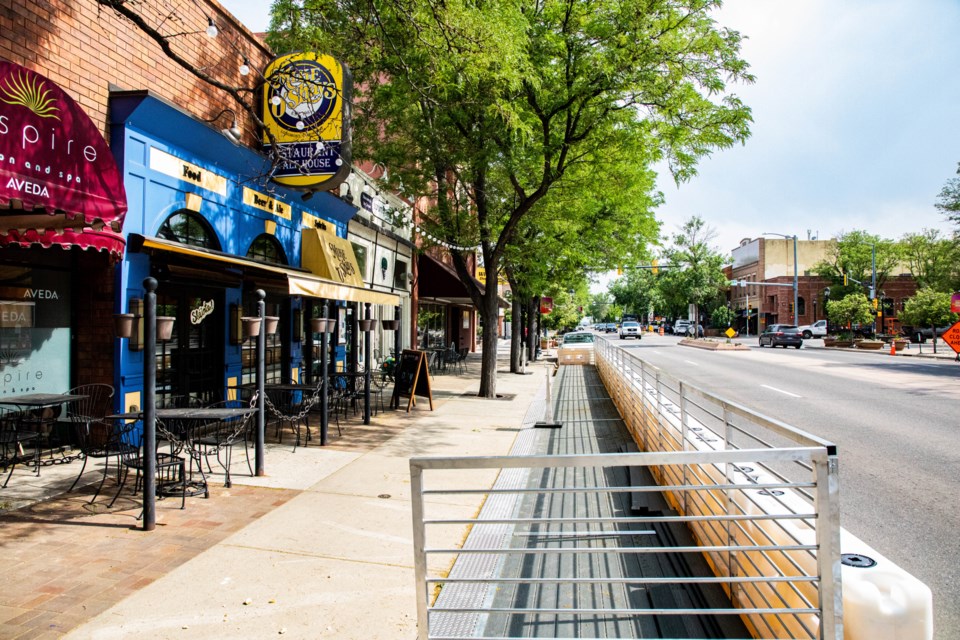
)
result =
(486, 110)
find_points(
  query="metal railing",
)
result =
(758, 498)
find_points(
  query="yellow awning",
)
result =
(299, 283)
(314, 287)
(330, 257)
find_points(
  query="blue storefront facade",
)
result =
(205, 221)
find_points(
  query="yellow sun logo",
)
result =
(30, 93)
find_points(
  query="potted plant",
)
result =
(870, 344)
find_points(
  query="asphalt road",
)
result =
(896, 421)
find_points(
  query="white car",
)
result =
(681, 327)
(816, 330)
(630, 329)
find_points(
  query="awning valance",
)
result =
(59, 183)
(299, 282)
(440, 282)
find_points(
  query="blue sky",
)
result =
(855, 120)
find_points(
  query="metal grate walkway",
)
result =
(590, 573)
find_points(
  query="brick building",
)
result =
(771, 262)
(194, 209)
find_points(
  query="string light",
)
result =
(245, 67)
(212, 30)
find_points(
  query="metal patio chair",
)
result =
(95, 437)
(13, 436)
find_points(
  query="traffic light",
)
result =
(656, 268)
(876, 303)
(619, 271)
(844, 279)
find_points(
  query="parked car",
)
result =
(577, 340)
(781, 335)
(695, 332)
(611, 327)
(667, 326)
(681, 326)
(816, 330)
(630, 329)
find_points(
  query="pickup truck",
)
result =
(816, 330)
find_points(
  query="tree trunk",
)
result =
(531, 318)
(488, 368)
(516, 335)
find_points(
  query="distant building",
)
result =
(770, 261)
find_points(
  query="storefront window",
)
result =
(34, 330)
(266, 248)
(187, 227)
(273, 355)
(431, 326)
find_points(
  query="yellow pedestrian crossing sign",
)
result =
(730, 332)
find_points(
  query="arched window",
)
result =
(186, 227)
(266, 248)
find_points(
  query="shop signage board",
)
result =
(546, 305)
(306, 108)
(412, 379)
(955, 303)
(952, 337)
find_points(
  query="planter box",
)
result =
(871, 345)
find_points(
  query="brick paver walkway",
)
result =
(66, 561)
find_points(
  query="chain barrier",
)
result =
(305, 407)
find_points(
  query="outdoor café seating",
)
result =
(171, 468)
(15, 438)
(218, 437)
(94, 436)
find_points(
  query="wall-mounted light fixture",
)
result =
(233, 133)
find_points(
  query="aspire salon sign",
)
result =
(51, 154)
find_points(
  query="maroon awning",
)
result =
(59, 183)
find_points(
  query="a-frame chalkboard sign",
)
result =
(412, 379)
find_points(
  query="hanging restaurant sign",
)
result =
(306, 107)
(59, 183)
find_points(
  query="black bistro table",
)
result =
(38, 402)
(181, 427)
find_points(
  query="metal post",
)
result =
(261, 380)
(397, 339)
(796, 284)
(873, 289)
(548, 420)
(366, 367)
(324, 380)
(150, 405)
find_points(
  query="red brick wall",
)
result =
(84, 47)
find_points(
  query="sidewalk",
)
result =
(320, 548)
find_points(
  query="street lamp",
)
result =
(796, 290)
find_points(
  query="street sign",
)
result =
(730, 332)
(955, 303)
(952, 337)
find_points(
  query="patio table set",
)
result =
(47, 428)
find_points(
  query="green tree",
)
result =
(852, 309)
(928, 308)
(933, 260)
(722, 316)
(948, 200)
(637, 292)
(485, 109)
(696, 268)
(853, 254)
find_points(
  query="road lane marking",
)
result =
(793, 395)
(691, 362)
